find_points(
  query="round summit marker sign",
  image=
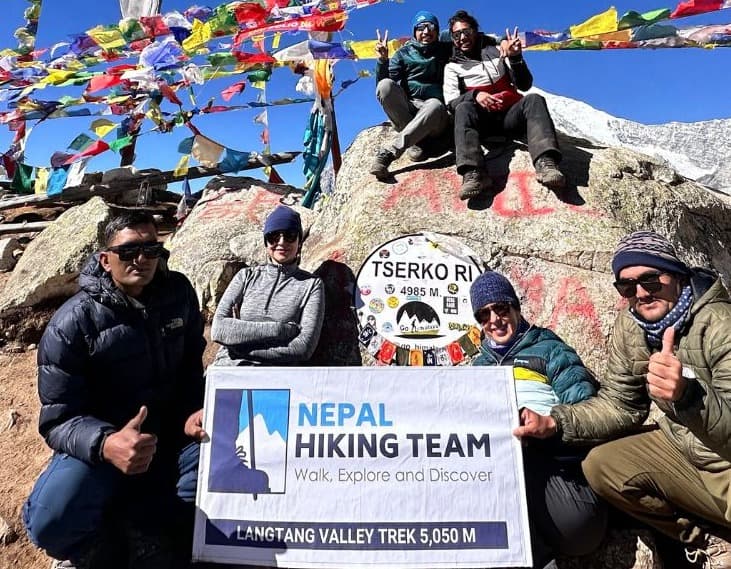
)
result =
(414, 292)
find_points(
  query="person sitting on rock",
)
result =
(120, 377)
(410, 92)
(481, 90)
(672, 345)
(271, 314)
(566, 517)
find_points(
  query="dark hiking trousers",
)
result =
(73, 502)
(528, 117)
(566, 517)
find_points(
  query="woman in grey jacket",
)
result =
(271, 314)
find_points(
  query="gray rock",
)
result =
(223, 233)
(556, 248)
(8, 247)
(7, 534)
(51, 263)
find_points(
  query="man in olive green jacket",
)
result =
(671, 346)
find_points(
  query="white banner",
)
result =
(361, 467)
(139, 8)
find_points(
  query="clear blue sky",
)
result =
(649, 86)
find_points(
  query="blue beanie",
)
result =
(492, 287)
(648, 249)
(421, 17)
(283, 218)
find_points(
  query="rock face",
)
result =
(555, 248)
(223, 233)
(50, 264)
(7, 248)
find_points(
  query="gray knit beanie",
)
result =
(492, 287)
(647, 248)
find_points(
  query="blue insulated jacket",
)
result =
(544, 360)
(102, 357)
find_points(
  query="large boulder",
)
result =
(223, 232)
(51, 263)
(8, 246)
(555, 247)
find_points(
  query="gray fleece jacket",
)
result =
(269, 315)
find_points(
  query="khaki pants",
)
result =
(647, 477)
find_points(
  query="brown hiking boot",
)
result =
(474, 182)
(381, 162)
(715, 553)
(548, 174)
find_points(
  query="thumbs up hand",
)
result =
(665, 374)
(129, 449)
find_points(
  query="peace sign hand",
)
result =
(514, 45)
(382, 45)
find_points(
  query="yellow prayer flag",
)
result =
(103, 127)
(107, 38)
(275, 41)
(41, 182)
(182, 168)
(206, 151)
(199, 36)
(600, 24)
(367, 49)
(57, 76)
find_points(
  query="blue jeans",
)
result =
(70, 501)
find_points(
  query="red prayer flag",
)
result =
(154, 26)
(692, 7)
(232, 90)
(103, 82)
(96, 147)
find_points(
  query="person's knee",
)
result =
(385, 87)
(595, 470)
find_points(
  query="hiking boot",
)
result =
(58, 564)
(715, 553)
(548, 174)
(416, 153)
(381, 162)
(474, 182)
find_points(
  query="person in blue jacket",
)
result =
(565, 515)
(120, 378)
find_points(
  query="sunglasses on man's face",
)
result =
(274, 237)
(129, 251)
(501, 309)
(466, 32)
(425, 27)
(628, 287)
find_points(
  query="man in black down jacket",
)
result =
(120, 379)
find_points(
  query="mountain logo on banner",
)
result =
(249, 441)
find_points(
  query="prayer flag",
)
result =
(182, 168)
(206, 151)
(103, 127)
(596, 25)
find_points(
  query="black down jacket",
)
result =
(101, 358)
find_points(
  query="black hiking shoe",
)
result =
(548, 174)
(474, 182)
(416, 153)
(381, 162)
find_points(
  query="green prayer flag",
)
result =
(80, 142)
(22, 179)
(120, 143)
(633, 18)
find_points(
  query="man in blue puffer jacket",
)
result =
(565, 515)
(120, 378)
(410, 92)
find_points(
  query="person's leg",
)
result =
(395, 103)
(431, 120)
(530, 116)
(64, 513)
(470, 161)
(565, 515)
(647, 477)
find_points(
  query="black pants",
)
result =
(566, 517)
(528, 117)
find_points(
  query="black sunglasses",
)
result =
(500, 309)
(425, 26)
(628, 287)
(129, 251)
(273, 237)
(467, 32)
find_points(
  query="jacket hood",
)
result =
(98, 283)
(707, 288)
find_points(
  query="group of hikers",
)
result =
(121, 378)
(438, 93)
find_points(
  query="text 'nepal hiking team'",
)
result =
(121, 379)
(463, 90)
